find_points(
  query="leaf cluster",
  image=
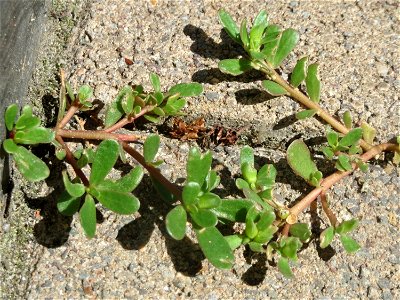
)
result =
(342, 230)
(115, 195)
(131, 102)
(25, 129)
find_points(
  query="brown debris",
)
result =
(206, 137)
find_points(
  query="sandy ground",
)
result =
(132, 257)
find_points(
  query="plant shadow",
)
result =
(206, 47)
(252, 96)
(185, 255)
(53, 229)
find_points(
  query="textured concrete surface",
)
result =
(132, 256)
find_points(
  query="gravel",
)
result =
(132, 257)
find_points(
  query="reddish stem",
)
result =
(154, 172)
(329, 213)
(70, 113)
(71, 160)
(328, 182)
(130, 119)
(95, 135)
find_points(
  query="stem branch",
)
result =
(329, 181)
(298, 96)
(121, 123)
(95, 135)
(71, 160)
(154, 172)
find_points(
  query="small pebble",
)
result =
(382, 69)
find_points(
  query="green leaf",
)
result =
(70, 92)
(10, 115)
(126, 183)
(369, 132)
(211, 182)
(175, 222)
(229, 25)
(155, 82)
(266, 176)
(34, 135)
(209, 200)
(351, 138)
(251, 229)
(332, 137)
(347, 119)
(198, 165)
(136, 110)
(344, 161)
(215, 247)
(87, 216)
(347, 226)
(67, 204)
(234, 66)
(244, 35)
(234, 210)
(266, 220)
(158, 111)
(82, 161)
(204, 218)
(328, 152)
(187, 89)
(173, 106)
(304, 114)
(151, 118)
(350, 245)
(340, 167)
(290, 248)
(256, 34)
(255, 198)
(159, 97)
(273, 88)
(85, 92)
(234, 241)
(355, 149)
(287, 42)
(249, 173)
(165, 194)
(27, 110)
(115, 110)
(313, 84)
(299, 159)
(326, 237)
(74, 189)
(270, 41)
(284, 268)
(190, 193)
(105, 157)
(264, 236)
(300, 230)
(256, 247)
(119, 202)
(127, 102)
(130, 181)
(247, 156)
(27, 121)
(261, 19)
(9, 146)
(299, 72)
(242, 184)
(150, 147)
(363, 166)
(30, 166)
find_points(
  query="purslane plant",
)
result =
(267, 226)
